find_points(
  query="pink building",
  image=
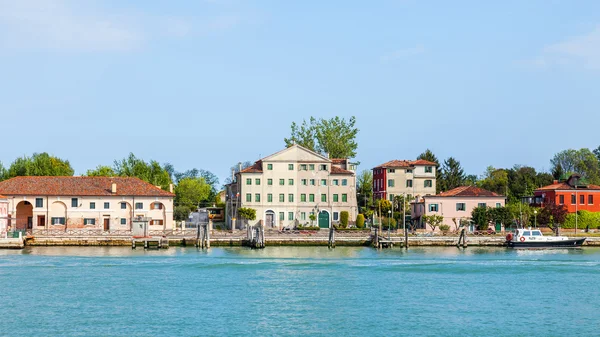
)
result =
(455, 205)
(3, 215)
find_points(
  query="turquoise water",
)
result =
(279, 291)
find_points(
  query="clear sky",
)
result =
(206, 84)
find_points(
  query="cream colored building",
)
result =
(107, 203)
(397, 177)
(3, 215)
(287, 187)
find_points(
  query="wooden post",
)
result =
(405, 237)
(208, 236)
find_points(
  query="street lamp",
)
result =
(389, 223)
(535, 218)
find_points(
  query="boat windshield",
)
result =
(536, 233)
(526, 233)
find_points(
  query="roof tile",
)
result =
(405, 163)
(468, 191)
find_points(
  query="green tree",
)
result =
(39, 164)
(501, 215)
(247, 214)
(335, 136)
(495, 180)
(344, 217)
(3, 172)
(402, 205)
(364, 189)
(211, 179)
(383, 206)
(101, 171)
(583, 162)
(452, 175)
(190, 192)
(433, 221)
(481, 216)
(597, 153)
(360, 221)
(471, 180)
(151, 172)
(181, 213)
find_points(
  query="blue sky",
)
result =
(206, 84)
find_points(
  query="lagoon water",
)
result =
(286, 291)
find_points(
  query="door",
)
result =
(106, 224)
(270, 220)
(29, 222)
(323, 219)
(41, 220)
(498, 226)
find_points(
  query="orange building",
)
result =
(573, 193)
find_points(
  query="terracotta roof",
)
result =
(256, 168)
(337, 170)
(565, 186)
(80, 186)
(406, 163)
(338, 160)
(468, 191)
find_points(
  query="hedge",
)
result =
(584, 219)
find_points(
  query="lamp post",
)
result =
(535, 218)
(576, 208)
(389, 223)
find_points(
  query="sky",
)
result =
(207, 84)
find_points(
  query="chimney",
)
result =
(555, 182)
(171, 188)
(113, 188)
(158, 186)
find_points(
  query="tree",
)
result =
(344, 217)
(383, 206)
(210, 179)
(597, 152)
(190, 192)
(364, 189)
(583, 162)
(247, 214)
(39, 164)
(360, 221)
(522, 181)
(181, 213)
(335, 136)
(151, 172)
(3, 172)
(429, 156)
(471, 180)
(312, 218)
(101, 171)
(481, 216)
(402, 205)
(495, 180)
(452, 175)
(433, 221)
(236, 169)
(501, 215)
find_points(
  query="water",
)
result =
(279, 291)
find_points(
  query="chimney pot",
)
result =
(171, 188)
(555, 181)
(113, 188)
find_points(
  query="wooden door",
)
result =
(106, 224)
(270, 220)
(324, 219)
(41, 220)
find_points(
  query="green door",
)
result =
(324, 219)
(498, 226)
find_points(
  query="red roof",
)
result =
(566, 186)
(338, 160)
(337, 170)
(406, 163)
(468, 191)
(80, 186)
(256, 168)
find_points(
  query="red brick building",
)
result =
(573, 193)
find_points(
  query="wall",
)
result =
(572, 208)
(3, 215)
(447, 207)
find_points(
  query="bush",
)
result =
(308, 228)
(344, 216)
(584, 219)
(360, 221)
(385, 223)
(444, 228)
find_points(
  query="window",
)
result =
(311, 167)
(303, 167)
(561, 199)
(281, 216)
(139, 205)
(391, 170)
(324, 197)
(323, 182)
(74, 202)
(291, 182)
(281, 197)
(291, 167)
(573, 199)
(335, 198)
(256, 181)
(89, 222)
(290, 197)
(92, 205)
(311, 198)
(312, 182)
(303, 216)
(156, 205)
(57, 221)
(302, 197)
(582, 199)
(248, 181)
(428, 169)
(248, 197)
(270, 167)
(336, 216)
(409, 183)
(123, 205)
(344, 182)
(269, 197)
(433, 207)
(391, 197)
(498, 205)
(106, 205)
(39, 202)
(290, 215)
(408, 171)
(590, 199)
(428, 183)
(269, 182)
(390, 182)
(281, 181)
(304, 182)
(460, 206)
(156, 223)
(481, 204)
(336, 182)
(323, 167)
(257, 197)
(123, 221)
(344, 197)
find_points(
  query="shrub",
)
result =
(344, 218)
(385, 223)
(360, 221)
(444, 228)
(308, 228)
(584, 219)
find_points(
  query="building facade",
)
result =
(3, 215)
(107, 203)
(572, 193)
(414, 178)
(287, 187)
(455, 205)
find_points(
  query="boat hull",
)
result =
(573, 243)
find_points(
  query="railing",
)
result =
(78, 232)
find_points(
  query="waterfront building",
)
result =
(398, 177)
(107, 203)
(285, 188)
(574, 193)
(455, 205)
(3, 215)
